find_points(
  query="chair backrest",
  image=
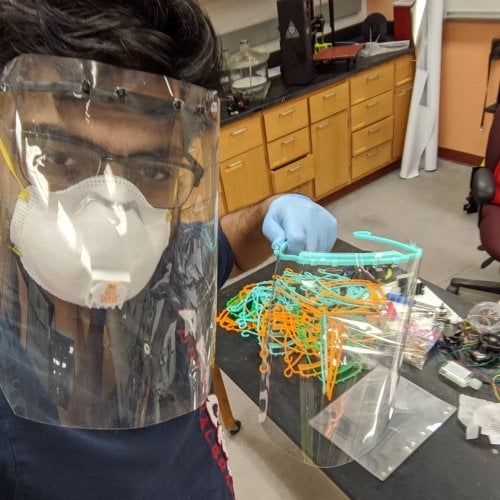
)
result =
(489, 214)
(493, 146)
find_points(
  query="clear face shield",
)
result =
(332, 349)
(108, 205)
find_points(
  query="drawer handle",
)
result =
(288, 141)
(405, 91)
(324, 125)
(372, 77)
(374, 130)
(286, 113)
(330, 95)
(298, 167)
(372, 104)
(371, 154)
(239, 131)
(235, 164)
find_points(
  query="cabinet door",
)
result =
(331, 139)
(402, 100)
(245, 179)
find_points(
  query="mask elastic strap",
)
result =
(8, 161)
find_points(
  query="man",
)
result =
(111, 251)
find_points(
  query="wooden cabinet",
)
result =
(330, 137)
(404, 74)
(285, 118)
(372, 135)
(372, 82)
(320, 142)
(329, 101)
(244, 173)
(293, 175)
(372, 110)
(371, 160)
(289, 146)
(372, 119)
(240, 136)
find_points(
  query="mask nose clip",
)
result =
(112, 166)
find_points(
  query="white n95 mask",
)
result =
(95, 244)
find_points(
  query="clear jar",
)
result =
(248, 72)
(224, 75)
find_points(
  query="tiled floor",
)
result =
(426, 210)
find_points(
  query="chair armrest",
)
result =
(483, 185)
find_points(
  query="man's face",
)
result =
(64, 141)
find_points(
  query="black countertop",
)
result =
(445, 466)
(325, 74)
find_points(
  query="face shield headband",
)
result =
(108, 228)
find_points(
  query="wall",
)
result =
(257, 21)
(382, 6)
(466, 46)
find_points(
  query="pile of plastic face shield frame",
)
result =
(328, 333)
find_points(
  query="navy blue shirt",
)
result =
(182, 458)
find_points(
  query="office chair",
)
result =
(487, 196)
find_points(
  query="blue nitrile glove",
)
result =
(305, 225)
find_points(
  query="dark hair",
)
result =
(171, 37)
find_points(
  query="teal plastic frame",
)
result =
(356, 258)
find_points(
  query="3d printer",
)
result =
(303, 42)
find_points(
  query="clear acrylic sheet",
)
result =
(417, 414)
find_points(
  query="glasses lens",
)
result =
(163, 184)
(57, 163)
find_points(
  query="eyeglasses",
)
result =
(164, 178)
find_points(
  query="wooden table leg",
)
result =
(226, 415)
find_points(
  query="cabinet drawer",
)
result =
(240, 136)
(372, 110)
(285, 118)
(291, 176)
(306, 189)
(373, 135)
(329, 101)
(405, 69)
(288, 148)
(372, 82)
(371, 160)
(245, 179)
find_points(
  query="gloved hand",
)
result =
(305, 225)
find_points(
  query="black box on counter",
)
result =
(295, 42)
